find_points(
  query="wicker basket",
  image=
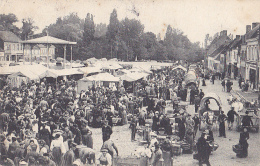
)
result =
(237, 149)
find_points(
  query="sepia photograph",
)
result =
(129, 82)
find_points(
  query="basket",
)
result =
(185, 146)
(196, 156)
(176, 148)
(237, 149)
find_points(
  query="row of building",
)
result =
(236, 57)
(12, 48)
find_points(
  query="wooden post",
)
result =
(71, 53)
(65, 47)
(23, 53)
(31, 53)
(48, 55)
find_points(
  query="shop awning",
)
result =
(103, 77)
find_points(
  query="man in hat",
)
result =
(247, 121)
(196, 120)
(106, 130)
(104, 158)
(221, 118)
(230, 117)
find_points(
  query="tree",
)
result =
(100, 30)
(112, 30)
(28, 28)
(7, 23)
(89, 29)
(67, 28)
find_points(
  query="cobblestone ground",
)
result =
(224, 154)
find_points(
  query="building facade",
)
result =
(38, 52)
(252, 55)
(12, 46)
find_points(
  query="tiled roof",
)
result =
(8, 36)
(218, 51)
(234, 43)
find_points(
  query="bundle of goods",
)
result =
(117, 120)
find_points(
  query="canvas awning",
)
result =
(64, 72)
(131, 77)
(47, 40)
(180, 67)
(89, 70)
(25, 73)
(103, 77)
(36, 69)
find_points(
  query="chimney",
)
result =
(254, 24)
(243, 39)
(248, 28)
(224, 33)
(237, 37)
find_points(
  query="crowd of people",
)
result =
(45, 123)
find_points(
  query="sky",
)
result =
(195, 18)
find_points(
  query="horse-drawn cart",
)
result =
(208, 115)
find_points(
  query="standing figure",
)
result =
(221, 118)
(203, 82)
(196, 120)
(155, 125)
(197, 103)
(204, 150)
(213, 78)
(133, 125)
(231, 116)
(244, 136)
(223, 83)
(106, 131)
